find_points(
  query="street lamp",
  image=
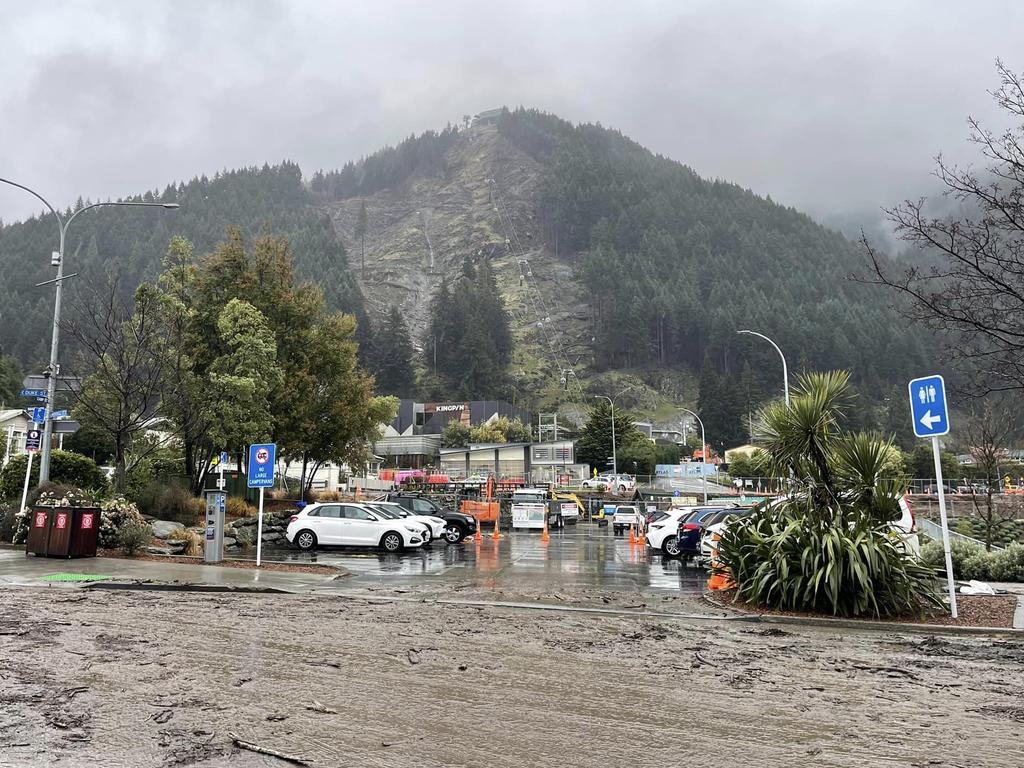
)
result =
(54, 369)
(703, 453)
(785, 371)
(615, 463)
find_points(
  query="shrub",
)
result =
(193, 541)
(1008, 565)
(8, 521)
(66, 468)
(977, 567)
(781, 559)
(933, 557)
(171, 502)
(133, 537)
(116, 515)
(236, 506)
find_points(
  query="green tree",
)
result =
(828, 544)
(720, 407)
(920, 463)
(393, 356)
(10, 381)
(455, 434)
(594, 446)
(66, 468)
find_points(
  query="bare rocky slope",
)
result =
(482, 205)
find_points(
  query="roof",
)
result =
(12, 414)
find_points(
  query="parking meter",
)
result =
(213, 541)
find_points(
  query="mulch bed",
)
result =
(972, 611)
(327, 570)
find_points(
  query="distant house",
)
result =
(14, 425)
(489, 116)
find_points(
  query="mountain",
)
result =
(609, 258)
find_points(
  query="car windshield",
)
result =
(395, 509)
(384, 512)
(657, 516)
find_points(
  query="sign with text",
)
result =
(262, 458)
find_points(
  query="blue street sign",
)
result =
(223, 457)
(261, 465)
(928, 406)
(59, 415)
(33, 393)
(38, 414)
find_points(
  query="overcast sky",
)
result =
(834, 107)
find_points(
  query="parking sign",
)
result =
(261, 465)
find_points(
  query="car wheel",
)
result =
(391, 542)
(622, 489)
(670, 546)
(453, 533)
(305, 540)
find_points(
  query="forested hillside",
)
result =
(675, 264)
(128, 243)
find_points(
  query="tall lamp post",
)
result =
(53, 370)
(785, 370)
(615, 463)
(703, 453)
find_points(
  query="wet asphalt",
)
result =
(582, 557)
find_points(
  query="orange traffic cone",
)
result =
(479, 537)
(632, 535)
(497, 528)
(545, 536)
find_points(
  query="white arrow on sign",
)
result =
(930, 421)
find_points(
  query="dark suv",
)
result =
(457, 525)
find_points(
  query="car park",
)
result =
(457, 524)
(434, 525)
(353, 525)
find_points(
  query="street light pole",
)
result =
(53, 371)
(615, 463)
(785, 370)
(703, 453)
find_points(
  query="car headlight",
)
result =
(412, 529)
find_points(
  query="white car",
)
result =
(353, 525)
(662, 532)
(434, 525)
(613, 483)
(625, 516)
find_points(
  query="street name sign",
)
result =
(33, 393)
(928, 406)
(59, 415)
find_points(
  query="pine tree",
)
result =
(393, 357)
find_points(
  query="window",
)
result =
(332, 510)
(357, 513)
(422, 506)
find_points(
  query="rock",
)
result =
(272, 537)
(159, 550)
(164, 528)
(176, 547)
(230, 541)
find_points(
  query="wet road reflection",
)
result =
(578, 558)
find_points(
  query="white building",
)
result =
(14, 424)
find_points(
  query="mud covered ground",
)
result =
(104, 678)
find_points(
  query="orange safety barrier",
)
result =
(483, 511)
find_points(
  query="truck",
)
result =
(626, 515)
(530, 506)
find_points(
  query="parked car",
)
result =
(457, 525)
(690, 529)
(663, 530)
(613, 483)
(625, 515)
(434, 525)
(714, 528)
(354, 525)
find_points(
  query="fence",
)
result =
(934, 531)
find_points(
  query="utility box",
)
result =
(213, 541)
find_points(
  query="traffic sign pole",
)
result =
(259, 532)
(945, 528)
(930, 417)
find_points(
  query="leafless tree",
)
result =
(975, 290)
(988, 430)
(118, 360)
